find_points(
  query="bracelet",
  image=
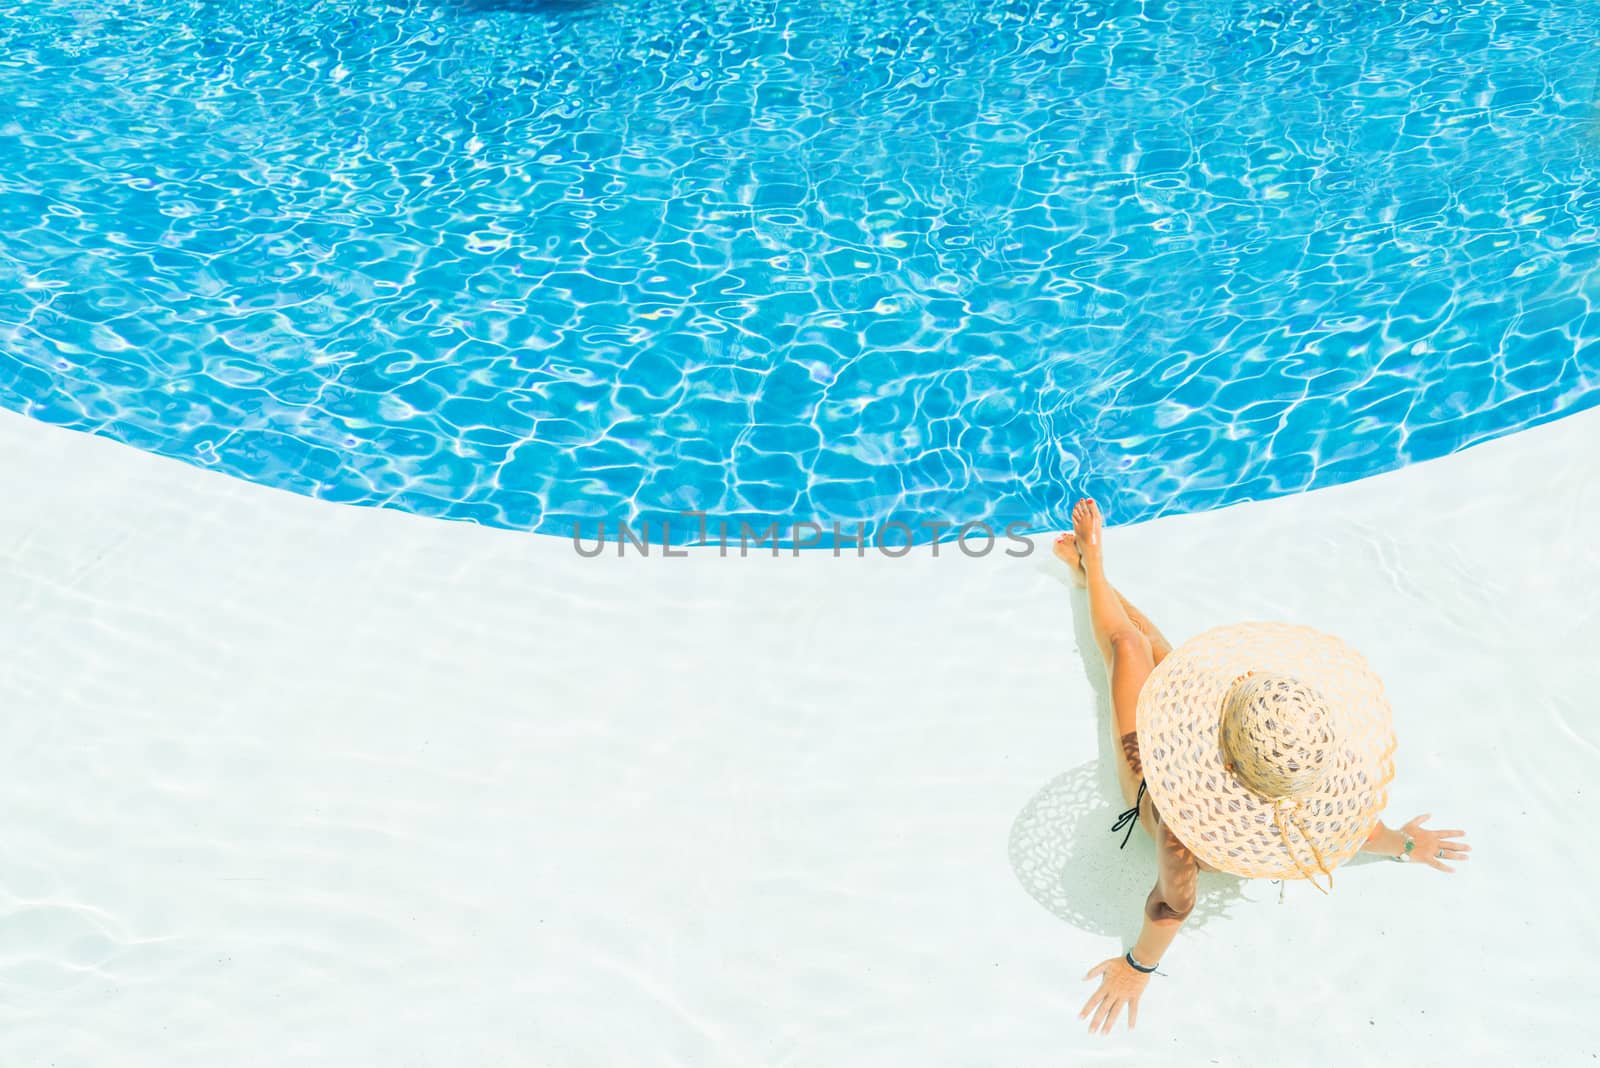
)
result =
(1405, 854)
(1136, 966)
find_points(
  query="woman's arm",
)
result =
(1432, 848)
(1123, 984)
(1169, 904)
(1154, 938)
(1385, 841)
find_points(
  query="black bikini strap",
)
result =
(1128, 818)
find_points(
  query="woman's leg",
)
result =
(1128, 652)
(1067, 549)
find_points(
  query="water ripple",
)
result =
(537, 264)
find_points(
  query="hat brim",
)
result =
(1220, 820)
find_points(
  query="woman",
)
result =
(1260, 749)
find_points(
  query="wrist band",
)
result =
(1136, 966)
(1405, 854)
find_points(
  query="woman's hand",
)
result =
(1433, 848)
(1120, 984)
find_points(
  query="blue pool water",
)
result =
(533, 264)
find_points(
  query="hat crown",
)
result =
(1277, 735)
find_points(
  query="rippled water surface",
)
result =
(534, 263)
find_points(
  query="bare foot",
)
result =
(1066, 548)
(1086, 524)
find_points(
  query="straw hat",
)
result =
(1268, 749)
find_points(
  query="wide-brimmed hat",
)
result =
(1268, 748)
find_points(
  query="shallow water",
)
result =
(531, 264)
(346, 787)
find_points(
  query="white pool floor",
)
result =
(295, 783)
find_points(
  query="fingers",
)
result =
(1435, 862)
(1418, 821)
(1449, 834)
(1133, 1012)
(1105, 1017)
(1104, 1006)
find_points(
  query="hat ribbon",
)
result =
(1291, 806)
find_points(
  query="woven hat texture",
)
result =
(1268, 748)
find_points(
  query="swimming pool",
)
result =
(538, 265)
